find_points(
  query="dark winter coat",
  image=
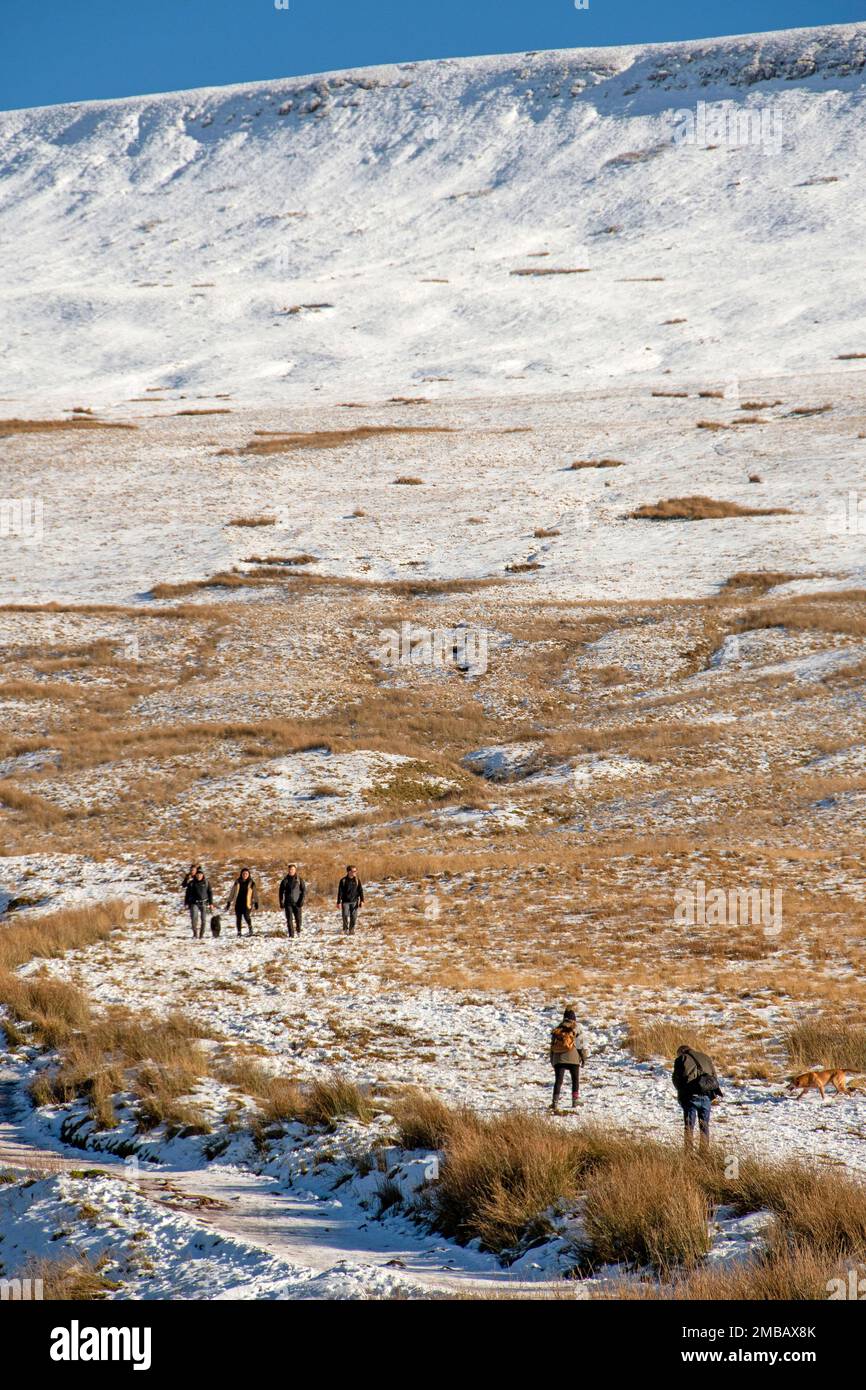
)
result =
(574, 1056)
(243, 896)
(198, 892)
(350, 890)
(293, 890)
(689, 1067)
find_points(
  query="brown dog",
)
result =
(819, 1080)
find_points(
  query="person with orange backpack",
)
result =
(567, 1054)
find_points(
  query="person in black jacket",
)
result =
(293, 890)
(198, 898)
(350, 897)
(697, 1086)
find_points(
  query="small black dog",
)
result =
(216, 926)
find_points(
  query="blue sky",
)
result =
(70, 50)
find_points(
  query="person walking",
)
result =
(244, 899)
(350, 897)
(293, 891)
(697, 1086)
(198, 898)
(567, 1056)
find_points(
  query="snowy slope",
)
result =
(159, 241)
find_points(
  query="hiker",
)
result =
(567, 1054)
(244, 899)
(350, 897)
(198, 898)
(697, 1086)
(293, 890)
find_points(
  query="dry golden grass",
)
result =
(785, 1275)
(72, 1279)
(500, 1178)
(53, 1010)
(160, 1093)
(95, 1054)
(757, 581)
(253, 521)
(648, 1208)
(279, 1098)
(644, 1202)
(334, 439)
(822, 1043)
(50, 935)
(815, 1208)
(40, 814)
(76, 422)
(335, 1098)
(551, 270)
(423, 1121)
(842, 613)
(597, 463)
(159, 1060)
(648, 1039)
(700, 509)
(180, 612)
(307, 583)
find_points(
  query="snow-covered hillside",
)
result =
(358, 233)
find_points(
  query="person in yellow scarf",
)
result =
(244, 898)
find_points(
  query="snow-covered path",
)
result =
(306, 1231)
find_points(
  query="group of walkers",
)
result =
(694, 1077)
(694, 1074)
(244, 898)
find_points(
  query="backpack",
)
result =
(707, 1085)
(563, 1037)
(215, 926)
